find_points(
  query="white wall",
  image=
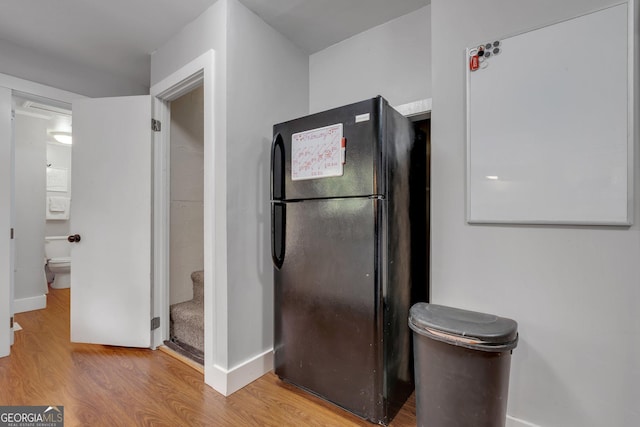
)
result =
(59, 156)
(187, 201)
(30, 185)
(260, 78)
(208, 31)
(573, 290)
(53, 71)
(392, 60)
(267, 84)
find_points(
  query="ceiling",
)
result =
(317, 24)
(117, 36)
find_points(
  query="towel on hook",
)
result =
(58, 208)
(58, 204)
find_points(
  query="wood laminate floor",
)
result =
(114, 386)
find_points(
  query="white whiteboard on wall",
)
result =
(550, 124)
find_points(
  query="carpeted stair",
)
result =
(187, 322)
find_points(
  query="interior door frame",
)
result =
(200, 71)
(12, 221)
(6, 190)
(10, 86)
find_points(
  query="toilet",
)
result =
(57, 250)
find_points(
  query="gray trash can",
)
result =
(462, 362)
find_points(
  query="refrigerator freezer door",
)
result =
(363, 171)
(328, 331)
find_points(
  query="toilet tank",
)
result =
(57, 247)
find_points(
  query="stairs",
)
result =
(187, 322)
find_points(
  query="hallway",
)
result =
(113, 386)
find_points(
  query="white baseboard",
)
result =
(517, 422)
(20, 305)
(229, 381)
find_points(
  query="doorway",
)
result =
(419, 113)
(196, 73)
(186, 225)
(42, 184)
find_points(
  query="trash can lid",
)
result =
(463, 327)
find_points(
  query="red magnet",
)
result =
(474, 63)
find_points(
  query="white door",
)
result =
(111, 212)
(6, 203)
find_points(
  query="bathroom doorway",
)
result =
(186, 220)
(422, 178)
(42, 174)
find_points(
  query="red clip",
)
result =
(474, 63)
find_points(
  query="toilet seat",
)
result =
(59, 261)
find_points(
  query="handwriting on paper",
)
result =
(317, 153)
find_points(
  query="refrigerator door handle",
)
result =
(278, 235)
(277, 168)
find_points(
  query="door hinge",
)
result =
(155, 125)
(11, 323)
(12, 234)
(155, 323)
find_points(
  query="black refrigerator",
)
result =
(348, 213)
